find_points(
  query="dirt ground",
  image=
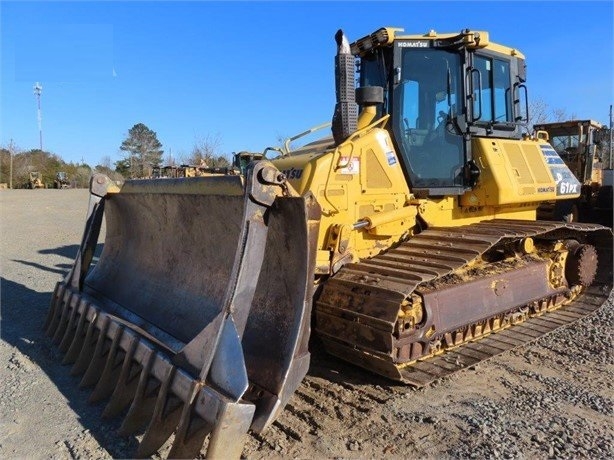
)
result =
(551, 399)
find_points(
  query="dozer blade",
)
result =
(195, 319)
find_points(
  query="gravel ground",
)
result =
(551, 399)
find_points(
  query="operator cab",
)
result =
(442, 90)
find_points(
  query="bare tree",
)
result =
(561, 115)
(105, 167)
(538, 112)
(206, 152)
(105, 162)
(170, 159)
(81, 177)
(541, 112)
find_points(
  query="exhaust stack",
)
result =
(346, 110)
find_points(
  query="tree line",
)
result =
(142, 152)
(43, 162)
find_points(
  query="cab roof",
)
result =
(472, 39)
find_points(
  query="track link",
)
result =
(358, 310)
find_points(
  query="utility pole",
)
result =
(611, 126)
(38, 89)
(11, 148)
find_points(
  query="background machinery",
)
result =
(578, 143)
(410, 234)
(35, 180)
(241, 160)
(61, 180)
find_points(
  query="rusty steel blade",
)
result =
(168, 336)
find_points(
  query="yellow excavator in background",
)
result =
(410, 235)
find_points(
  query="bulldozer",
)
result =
(406, 241)
(35, 180)
(578, 144)
(61, 180)
(241, 160)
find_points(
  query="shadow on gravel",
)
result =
(23, 315)
(61, 270)
(24, 311)
(68, 251)
(336, 370)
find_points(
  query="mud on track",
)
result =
(554, 398)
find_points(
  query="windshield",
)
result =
(565, 144)
(427, 98)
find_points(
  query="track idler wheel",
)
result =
(581, 266)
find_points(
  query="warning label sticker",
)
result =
(348, 165)
(392, 158)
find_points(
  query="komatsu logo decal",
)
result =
(566, 182)
(414, 44)
(292, 174)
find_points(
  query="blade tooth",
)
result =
(228, 437)
(228, 370)
(165, 417)
(111, 370)
(57, 313)
(125, 388)
(96, 363)
(193, 429)
(145, 396)
(57, 292)
(77, 342)
(71, 328)
(63, 323)
(87, 348)
(55, 322)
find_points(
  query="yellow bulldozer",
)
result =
(35, 180)
(406, 241)
(579, 144)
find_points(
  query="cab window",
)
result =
(492, 92)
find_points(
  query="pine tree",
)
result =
(144, 150)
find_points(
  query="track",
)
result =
(340, 407)
(357, 312)
(426, 371)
